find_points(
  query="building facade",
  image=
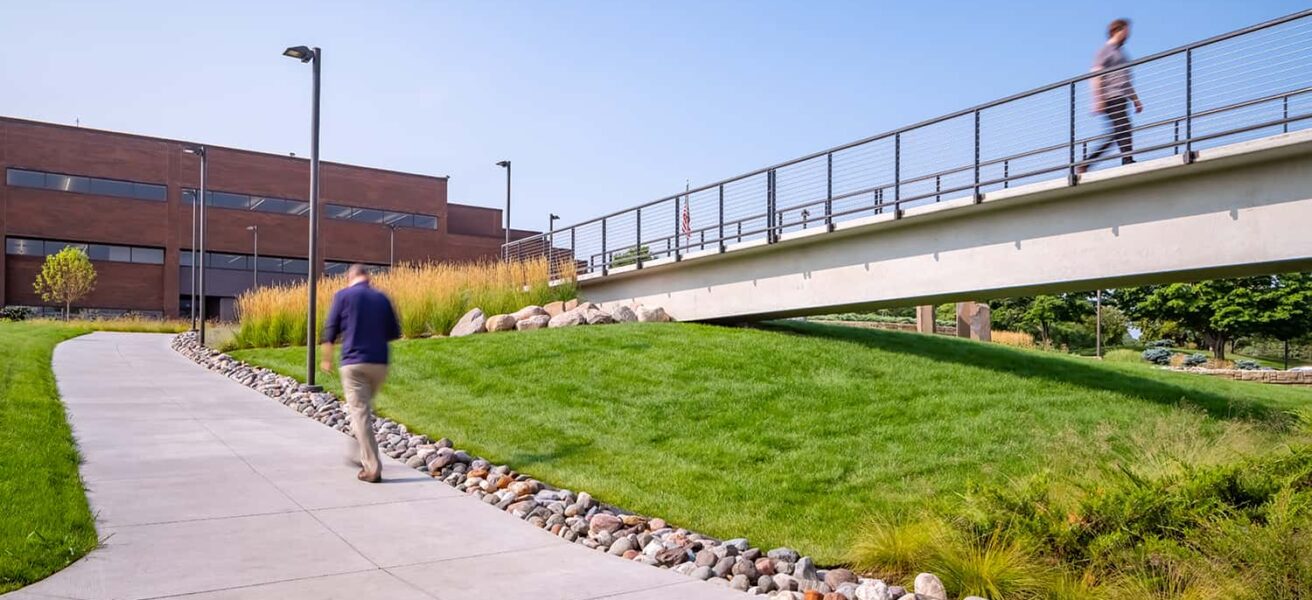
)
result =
(130, 200)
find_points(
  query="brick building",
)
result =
(129, 201)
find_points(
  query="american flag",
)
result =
(687, 215)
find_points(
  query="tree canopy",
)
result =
(66, 277)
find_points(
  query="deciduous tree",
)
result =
(66, 277)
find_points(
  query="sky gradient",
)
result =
(600, 105)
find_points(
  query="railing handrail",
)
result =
(935, 120)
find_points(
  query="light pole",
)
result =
(255, 264)
(194, 225)
(391, 246)
(1098, 326)
(198, 288)
(506, 248)
(312, 55)
(551, 221)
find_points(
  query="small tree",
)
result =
(66, 277)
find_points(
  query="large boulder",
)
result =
(594, 315)
(623, 314)
(929, 587)
(473, 322)
(568, 318)
(653, 315)
(554, 308)
(528, 311)
(537, 322)
(500, 323)
(571, 304)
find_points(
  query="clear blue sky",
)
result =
(600, 105)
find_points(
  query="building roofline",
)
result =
(152, 138)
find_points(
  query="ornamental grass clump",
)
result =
(429, 297)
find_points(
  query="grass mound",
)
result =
(44, 522)
(797, 434)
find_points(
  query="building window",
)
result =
(97, 252)
(117, 188)
(266, 264)
(284, 206)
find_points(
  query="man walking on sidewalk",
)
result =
(363, 318)
(1113, 93)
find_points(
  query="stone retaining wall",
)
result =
(1278, 377)
(577, 517)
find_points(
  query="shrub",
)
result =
(1157, 356)
(1196, 359)
(1122, 355)
(15, 313)
(1018, 339)
(1247, 365)
(1161, 344)
(429, 298)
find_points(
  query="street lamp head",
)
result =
(554, 216)
(301, 53)
(252, 228)
(197, 150)
(503, 163)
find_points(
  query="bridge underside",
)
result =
(1236, 210)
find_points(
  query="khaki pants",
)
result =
(361, 382)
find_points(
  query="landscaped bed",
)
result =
(796, 435)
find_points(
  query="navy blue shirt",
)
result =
(364, 319)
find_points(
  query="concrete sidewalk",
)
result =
(205, 488)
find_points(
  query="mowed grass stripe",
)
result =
(794, 434)
(44, 520)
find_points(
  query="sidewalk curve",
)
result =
(207, 489)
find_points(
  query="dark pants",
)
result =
(1118, 117)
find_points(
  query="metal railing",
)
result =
(1245, 84)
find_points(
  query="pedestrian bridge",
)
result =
(990, 201)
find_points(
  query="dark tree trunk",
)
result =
(1286, 355)
(1218, 348)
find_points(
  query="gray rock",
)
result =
(620, 546)
(837, 577)
(500, 323)
(847, 590)
(805, 569)
(706, 558)
(930, 587)
(603, 538)
(745, 567)
(653, 549)
(596, 316)
(785, 582)
(443, 457)
(909, 597)
(896, 591)
(785, 554)
(530, 311)
(702, 573)
(652, 315)
(765, 583)
(473, 322)
(536, 322)
(740, 583)
(569, 318)
(723, 550)
(724, 566)
(623, 314)
(872, 590)
(414, 462)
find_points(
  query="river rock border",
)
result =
(577, 517)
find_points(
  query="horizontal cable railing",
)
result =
(1249, 83)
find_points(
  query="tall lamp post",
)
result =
(198, 287)
(312, 55)
(506, 248)
(195, 224)
(255, 247)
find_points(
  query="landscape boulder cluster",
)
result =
(576, 516)
(570, 313)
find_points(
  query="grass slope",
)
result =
(44, 521)
(795, 434)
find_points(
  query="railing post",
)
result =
(637, 249)
(573, 249)
(1006, 173)
(1285, 117)
(677, 229)
(1176, 148)
(605, 260)
(721, 242)
(828, 196)
(771, 219)
(1070, 170)
(897, 175)
(1189, 106)
(938, 187)
(978, 197)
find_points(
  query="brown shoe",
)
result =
(365, 477)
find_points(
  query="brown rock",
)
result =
(631, 554)
(554, 308)
(571, 304)
(538, 322)
(813, 595)
(656, 524)
(500, 323)
(605, 522)
(631, 520)
(837, 577)
(476, 473)
(765, 566)
(529, 311)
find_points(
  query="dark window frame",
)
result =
(86, 184)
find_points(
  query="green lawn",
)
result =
(44, 520)
(795, 434)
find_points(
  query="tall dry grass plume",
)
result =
(429, 297)
(1018, 339)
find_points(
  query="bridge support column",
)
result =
(974, 321)
(925, 319)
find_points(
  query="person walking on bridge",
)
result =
(1113, 93)
(365, 321)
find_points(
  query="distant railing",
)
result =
(1245, 84)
